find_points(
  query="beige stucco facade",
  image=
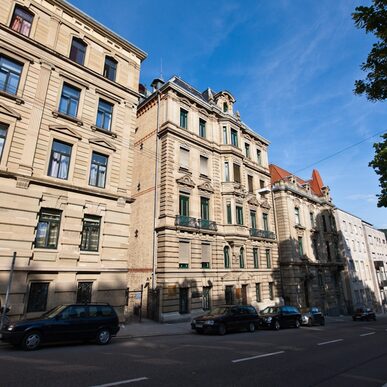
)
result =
(34, 122)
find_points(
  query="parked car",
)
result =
(276, 317)
(227, 318)
(312, 316)
(364, 313)
(75, 322)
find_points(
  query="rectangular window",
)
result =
(311, 216)
(253, 219)
(225, 137)
(69, 100)
(37, 298)
(229, 294)
(300, 247)
(259, 156)
(229, 213)
(98, 170)
(78, 51)
(206, 298)
(325, 223)
(265, 219)
(202, 128)
(184, 205)
(315, 248)
(203, 165)
(205, 208)
(226, 257)
(234, 137)
(84, 292)
(239, 215)
(10, 72)
(47, 231)
(255, 258)
(261, 184)
(183, 118)
(21, 21)
(184, 254)
(104, 115)
(268, 258)
(271, 291)
(297, 215)
(184, 158)
(60, 160)
(3, 135)
(328, 251)
(237, 173)
(258, 292)
(242, 258)
(247, 150)
(226, 171)
(250, 183)
(183, 301)
(110, 68)
(90, 233)
(206, 255)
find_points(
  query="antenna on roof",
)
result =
(161, 68)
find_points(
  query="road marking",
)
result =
(257, 357)
(367, 334)
(330, 342)
(121, 382)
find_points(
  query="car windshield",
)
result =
(219, 310)
(305, 310)
(270, 310)
(54, 311)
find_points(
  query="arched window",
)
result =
(226, 254)
(22, 20)
(78, 51)
(242, 258)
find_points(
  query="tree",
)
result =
(374, 19)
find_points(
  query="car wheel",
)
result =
(31, 341)
(297, 324)
(103, 337)
(251, 327)
(222, 329)
(277, 325)
(309, 322)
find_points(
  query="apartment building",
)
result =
(311, 265)
(214, 228)
(68, 100)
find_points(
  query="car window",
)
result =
(74, 312)
(271, 310)
(235, 310)
(251, 310)
(105, 311)
(219, 310)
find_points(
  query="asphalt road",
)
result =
(339, 354)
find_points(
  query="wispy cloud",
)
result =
(369, 198)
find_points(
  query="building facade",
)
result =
(215, 240)
(311, 265)
(68, 100)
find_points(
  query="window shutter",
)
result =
(206, 252)
(183, 252)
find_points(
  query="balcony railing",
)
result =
(207, 224)
(255, 232)
(203, 224)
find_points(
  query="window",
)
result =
(84, 292)
(225, 107)
(60, 160)
(225, 139)
(239, 215)
(325, 224)
(250, 183)
(258, 292)
(271, 291)
(253, 219)
(315, 248)
(247, 150)
(226, 171)
(255, 258)
(21, 21)
(204, 208)
(3, 135)
(311, 216)
(229, 213)
(184, 158)
(297, 215)
(300, 247)
(183, 301)
(104, 115)
(261, 184)
(37, 298)
(98, 170)
(47, 232)
(78, 51)
(90, 233)
(204, 165)
(10, 72)
(184, 205)
(69, 100)
(226, 257)
(183, 118)
(242, 258)
(202, 128)
(234, 137)
(237, 173)
(229, 294)
(206, 298)
(110, 68)
(259, 156)
(184, 254)
(268, 258)
(265, 219)
(206, 255)
(328, 251)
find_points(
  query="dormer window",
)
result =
(110, 68)
(78, 51)
(22, 21)
(225, 107)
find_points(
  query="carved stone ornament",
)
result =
(239, 190)
(253, 201)
(265, 204)
(66, 130)
(4, 109)
(102, 142)
(186, 181)
(206, 186)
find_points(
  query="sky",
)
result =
(291, 66)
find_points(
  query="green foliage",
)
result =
(379, 163)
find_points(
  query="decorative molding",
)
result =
(104, 131)
(253, 201)
(206, 186)
(265, 204)
(4, 109)
(103, 143)
(65, 130)
(186, 181)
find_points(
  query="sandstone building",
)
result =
(215, 238)
(68, 100)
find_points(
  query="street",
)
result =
(338, 354)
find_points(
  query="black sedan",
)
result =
(364, 314)
(312, 316)
(227, 318)
(277, 317)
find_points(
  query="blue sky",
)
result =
(291, 66)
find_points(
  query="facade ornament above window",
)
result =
(4, 109)
(186, 181)
(66, 130)
(239, 190)
(253, 201)
(206, 186)
(103, 143)
(265, 204)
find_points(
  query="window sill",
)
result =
(57, 114)
(204, 177)
(14, 97)
(185, 170)
(104, 131)
(299, 227)
(45, 249)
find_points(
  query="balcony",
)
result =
(207, 224)
(256, 233)
(185, 221)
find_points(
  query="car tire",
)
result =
(103, 336)
(222, 330)
(276, 325)
(297, 324)
(251, 327)
(31, 341)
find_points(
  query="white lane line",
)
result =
(330, 342)
(257, 357)
(121, 382)
(367, 334)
